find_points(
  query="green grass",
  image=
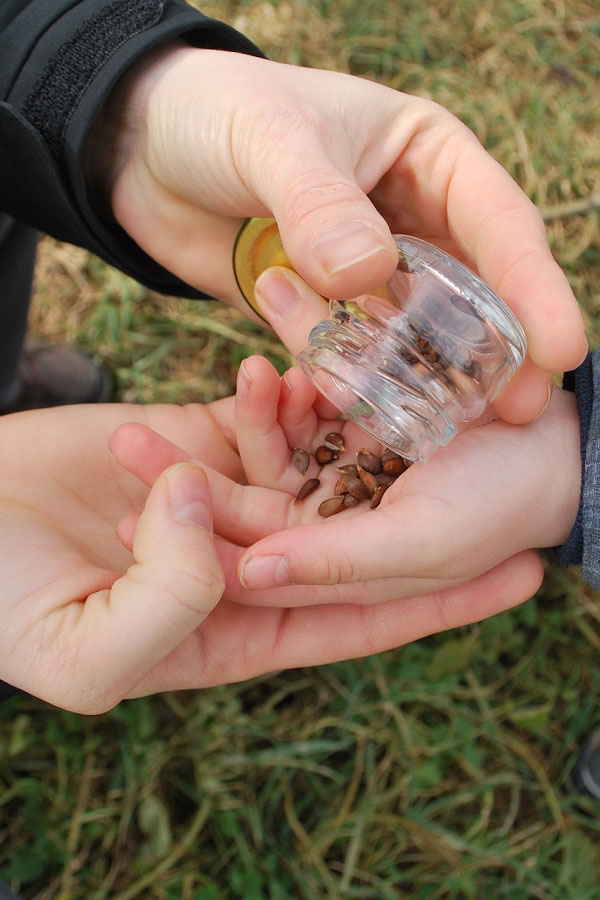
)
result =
(434, 771)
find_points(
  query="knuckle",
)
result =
(338, 569)
(303, 196)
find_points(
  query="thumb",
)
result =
(335, 238)
(175, 581)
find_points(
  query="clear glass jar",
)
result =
(414, 360)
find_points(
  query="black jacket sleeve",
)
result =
(59, 60)
(582, 546)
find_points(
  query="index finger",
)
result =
(500, 230)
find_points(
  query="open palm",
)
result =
(91, 616)
(495, 491)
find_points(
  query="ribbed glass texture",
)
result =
(412, 361)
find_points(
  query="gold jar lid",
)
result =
(257, 247)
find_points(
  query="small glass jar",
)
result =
(412, 361)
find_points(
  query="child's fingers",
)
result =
(297, 415)
(241, 514)
(262, 445)
(144, 452)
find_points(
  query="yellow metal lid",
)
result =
(257, 246)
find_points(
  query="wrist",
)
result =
(565, 472)
(118, 133)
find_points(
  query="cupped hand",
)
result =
(115, 588)
(497, 490)
(342, 163)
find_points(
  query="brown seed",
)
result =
(388, 454)
(331, 506)
(349, 500)
(347, 470)
(335, 441)
(341, 485)
(473, 370)
(378, 494)
(357, 489)
(301, 459)
(369, 480)
(403, 262)
(395, 465)
(370, 462)
(383, 478)
(324, 455)
(307, 488)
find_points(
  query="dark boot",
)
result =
(56, 375)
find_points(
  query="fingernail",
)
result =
(244, 382)
(345, 246)
(189, 495)
(260, 572)
(292, 375)
(277, 295)
(585, 349)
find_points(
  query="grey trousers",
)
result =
(18, 245)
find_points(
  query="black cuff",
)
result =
(53, 99)
(581, 382)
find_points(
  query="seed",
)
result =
(341, 485)
(464, 306)
(378, 494)
(473, 370)
(369, 480)
(335, 441)
(301, 459)
(395, 465)
(349, 500)
(331, 506)
(324, 455)
(370, 462)
(384, 478)
(403, 262)
(408, 356)
(307, 488)
(357, 489)
(347, 470)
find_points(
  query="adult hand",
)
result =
(497, 490)
(207, 138)
(90, 616)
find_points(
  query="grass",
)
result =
(435, 771)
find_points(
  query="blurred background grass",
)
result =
(434, 771)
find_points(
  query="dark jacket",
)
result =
(59, 59)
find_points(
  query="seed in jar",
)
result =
(307, 488)
(331, 506)
(357, 489)
(349, 500)
(473, 370)
(403, 262)
(368, 461)
(335, 441)
(347, 470)
(462, 304)
(301, 459)
(377, 495)
(369, 480)
(324, 455)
